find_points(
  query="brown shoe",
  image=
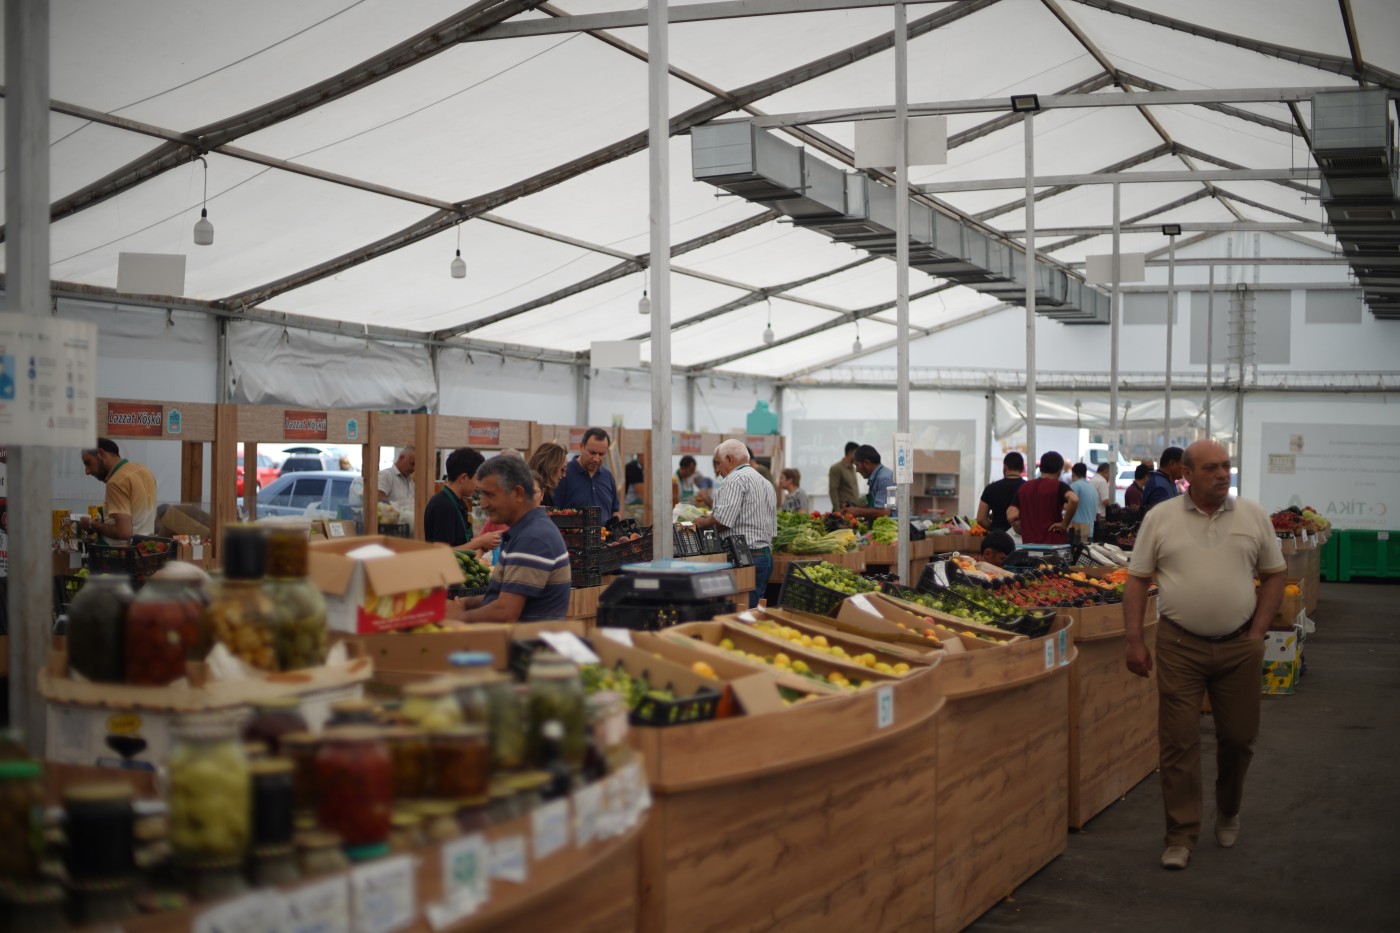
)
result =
(1176, 857)
(1227, 830)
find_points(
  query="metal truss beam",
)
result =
(1127, 178)
(1220, 226)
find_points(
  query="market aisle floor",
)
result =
(1320, 845)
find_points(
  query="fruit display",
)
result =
(819, 643)
(1036, 590)
(598, 678)
(953, 605)
(1294, 519)
(841, 579)
(475, 574)
(979, 570)
(781, 661)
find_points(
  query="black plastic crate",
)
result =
(802, 593)
(737, 547)
(583, 578)
(687, 541)
(640, 617)
(583, 539)
(136, 560)
(462, 591)
(652, 711)
(710, 542)
(588, 517)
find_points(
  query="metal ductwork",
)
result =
(852, 209)
(1354, 143)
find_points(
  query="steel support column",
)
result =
(1029, 121)
(658, 463)
(1171, 313)
(901, 221)
(1115, 441)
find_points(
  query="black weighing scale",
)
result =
(1032, 555)
(661, 593)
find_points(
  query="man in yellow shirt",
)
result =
(130, 506)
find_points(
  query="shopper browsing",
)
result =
(129, 507)
(587, 483)
(448, 517)
(841, 484)
(997, 497)
(1042, 509)
(790, 482)
(1132, 496)
(532, 578)
(1161, 483)
(745, 504)
(1083, 519)
(879, 480)
(1103, 485)
(1206, 550)
(549, 461)
(396, 482)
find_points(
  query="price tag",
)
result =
(620, 635)
(588, 805)
(466, 880)
(1049, 653)
(335, 530)
(940, 573)
(570, 646)
(884, 707)
(549, 827)
(260, 912)
(1064, 647)
(320, 908)
(508, 859)
(383, 895)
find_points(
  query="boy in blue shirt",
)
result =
(1088, 507)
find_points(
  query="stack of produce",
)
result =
(841, 579)
(1294, 519)
(1044, 589)
(820, 644)
(800, 533)
(476, 576)
(884, 530)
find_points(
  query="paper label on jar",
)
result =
(323, 907)
(549, 826)
(588, 805)
(259, 912)
(508, 859)
(384, 896)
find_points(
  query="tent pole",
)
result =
(658, 462)
(987, 437)
(1171, 313)
(1210, 345)
(1030, 286)
(581, 388)
(901, 218)
(1115, 441)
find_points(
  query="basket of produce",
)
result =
(800, 533)
(139, 559)
(651, 705)
(65, 589)
(973, 605)
(587, 517)
(634, 548)
(818, 587)
(1032, 622)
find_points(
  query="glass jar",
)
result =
(100, 825)
(274, 799)
(272, 719)
(508, 750)
(241, 617)
(502, 804)
(529, 789)
(32, 908)
(461, 762)
(255, 751)
(439, 821)
(210, 793)
(299, 632)
(159, 620)
(408, 755)
(21, 819)
(319, 853)
(97, 628)
(273, 866)
(355, 785)
(431, 706)
(557, 693)
(405, 832)
(300, 748)
(195, 583)
(358, 712)
(470, 673)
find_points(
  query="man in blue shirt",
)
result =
(586, 481)
(1161, 482)
(878, 479)
(1088, 507)
(532, 579)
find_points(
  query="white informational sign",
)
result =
(903, 458)
(508, 859)
(259, 912)
(320, 908)
(1098, 270)
(466, 880)
(884, 707)
(48, 381)
(549, 827)
(615, 354)
(928, 142)
(1349, 473)
(383, 895)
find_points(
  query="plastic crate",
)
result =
(687, 541)
(1328, 564)
(583, 539)
(130, 559)
(710, 542)
(65, 590)
(461, 591)
(581, 578)
(588, 517)
(1368, 554)
(802, 593)
(652, 711)
(649, 617)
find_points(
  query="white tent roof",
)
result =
(342, 206)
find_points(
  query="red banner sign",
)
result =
(761, 444)
(576, 438)
(690, 442)
(135, 419)
(304, 425)
(484, 434)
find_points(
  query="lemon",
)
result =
(704, 670)
(901, 668)
(819, 641)
(782, 660)
(800, 667)
(806, 641)
(884, 668)
(726, 644)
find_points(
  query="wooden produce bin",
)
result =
(851, 560)
(814, 818)
(1003, 766)
(407, 657)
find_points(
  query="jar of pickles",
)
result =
(508, 751)
(97, 628)
(273, 804)
(242, 616)
(273, 718)
(461, 762)
(431, 705)
(408, 756)
(439, 820)
(21, 819)
(210, 793)
(319, 853)
(355, 787)
(470, 673)
(405, 832)
(299, 632)
(556, 692)
(300, 749)
(100, 826)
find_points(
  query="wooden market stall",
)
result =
(260, 424)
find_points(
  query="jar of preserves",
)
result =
(300, 749)
(408, 755)
(273, 804)
(502, 805)
(210, 793)
(439, 820)
(272, 719)
(100, 825)
(471, 671)
(299, 632)
(355, 787)
(557, 693)
(461, 762)
(21, 819)
(406, 831)
(319, 853)
(196, 585)
(431, 705)
(357, 712)
(241, 617)
(97, 628)
(159, 620)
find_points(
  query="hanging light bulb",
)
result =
(856, 347)
(203, 229)
(459, 265)
(768, 331)
(644, 306)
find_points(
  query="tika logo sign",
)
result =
(135, 419)
(304, 425)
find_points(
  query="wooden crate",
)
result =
(852, 560)
(1003, 771)
(807, 819)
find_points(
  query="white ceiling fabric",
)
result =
(479, 120)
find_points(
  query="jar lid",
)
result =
(255, 749)
(298, 738)
(403, 733)
(245, 552)
(352, 706)
(530, 780)
(501, 790)
(429, 809)
(474, 803)
(19, 769)
(317, 839)
(269, 766)
(404, 819)
(471, 659)
(98, 792)
(270, 704)
(565, 671)
(356, 733)
(432, 688)
(204, 726)
(464, 731)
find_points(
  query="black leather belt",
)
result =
(1212, 638)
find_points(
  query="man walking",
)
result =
(745, 504)
(1206, 550)
(1161, 483)
(841, 483)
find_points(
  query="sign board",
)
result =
(690, 442)
(760, 444)
(135, 419)
(483, 434)
(903, 459)
(616, 354)
(576, 438)
(927, 142)
(48, 371)
(304, 425)
(1098, 270)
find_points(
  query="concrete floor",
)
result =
(1319, 848)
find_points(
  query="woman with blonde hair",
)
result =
(548, 462)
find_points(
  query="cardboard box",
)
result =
(332, 530)
(1283, 661)
(404, 589)
(403, 657)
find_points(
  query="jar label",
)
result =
(550, 828)
(124, 724)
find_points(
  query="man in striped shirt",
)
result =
(745, 504)
(531, 579)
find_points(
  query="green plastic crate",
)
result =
(1327, 560)
(1368, 554)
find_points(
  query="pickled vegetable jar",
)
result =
(461, 759)
(300, 748)
(318, 853)
(557, 693)
(97, 628)
(21, 819)
(157, 624)
(273, 803)
(210, 792)
(272, 719)
(408, 755)
(242, 616)
(507, 724)
(100, 826)
(355, 781)
(470, 673)
(431, 705)
(299, 632)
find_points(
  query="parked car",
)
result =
(301, 459)
(267, 471)
(293, 493)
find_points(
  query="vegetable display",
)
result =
(475, 574)
(841, 579)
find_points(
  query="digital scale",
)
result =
(661, 593)
(1032, 555)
